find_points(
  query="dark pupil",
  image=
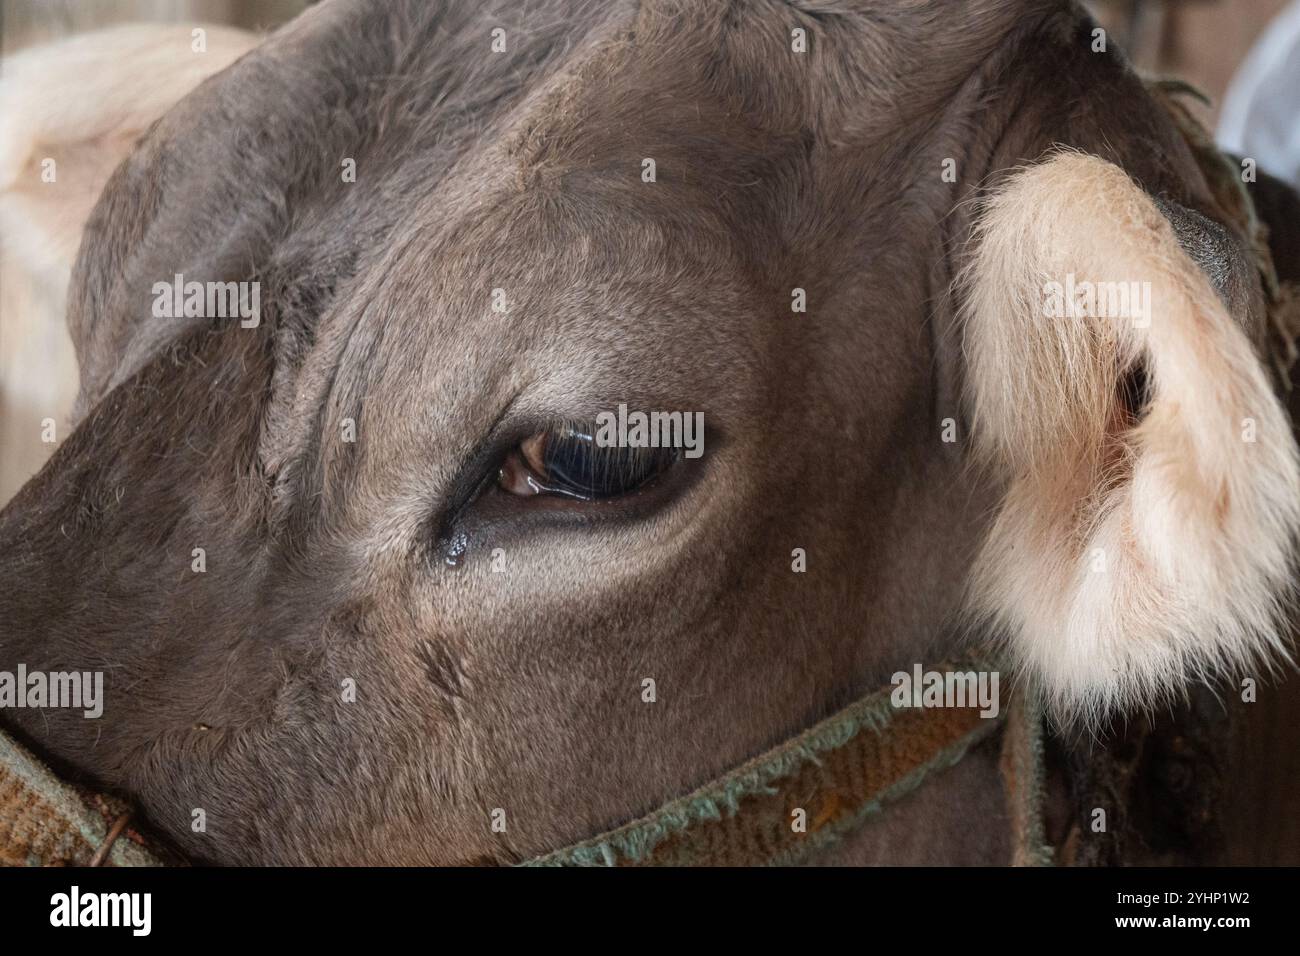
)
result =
(577, 466)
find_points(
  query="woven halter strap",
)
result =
(816, 788)
(841, 773)
(46, 822)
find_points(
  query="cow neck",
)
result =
(799, 797)
(810, 792)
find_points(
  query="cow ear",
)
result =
(61, 134)
(1152, 502)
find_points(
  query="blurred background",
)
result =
(1201, 41)
(39, 21)
(119, 91)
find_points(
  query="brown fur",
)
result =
(521, 170)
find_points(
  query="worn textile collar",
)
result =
(45, 822)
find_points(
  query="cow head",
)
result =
(330, 564)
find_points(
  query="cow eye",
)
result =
(568, 461)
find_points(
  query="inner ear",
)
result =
(1134, 394)
(1153, 493)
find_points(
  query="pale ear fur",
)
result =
(1129, 558)
(81, 102)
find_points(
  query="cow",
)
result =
(360, 586)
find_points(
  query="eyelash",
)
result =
(566, 461)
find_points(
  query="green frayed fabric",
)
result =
(636, 842)
(1024, 774)
(45, 822)
(946, 758)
